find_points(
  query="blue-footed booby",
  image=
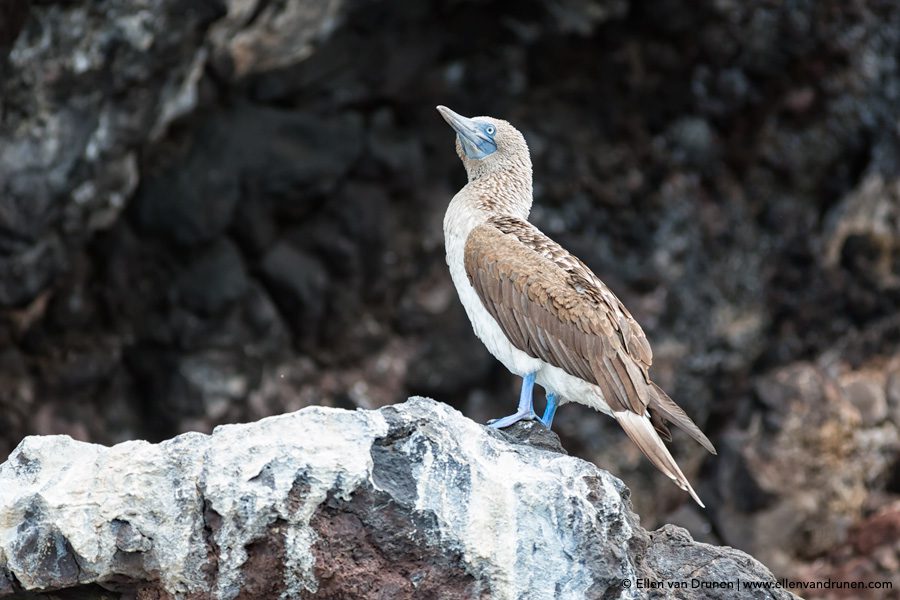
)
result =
(541, 311)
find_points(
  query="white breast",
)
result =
(459, 221)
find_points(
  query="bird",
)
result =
(541, 311)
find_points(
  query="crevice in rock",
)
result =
(212, 521)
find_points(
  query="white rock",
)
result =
(408, 501)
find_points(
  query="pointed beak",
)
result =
(476, 144)
(460, 124)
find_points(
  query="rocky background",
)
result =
(213, 211)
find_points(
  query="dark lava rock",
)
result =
(12, 17)
(278, 157)
(213, 280)
(299, 285)
(214, 211)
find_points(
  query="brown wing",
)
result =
(551, 306)
(632, 335)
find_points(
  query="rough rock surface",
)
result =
(215, 211)
(842, 422)
(410, 501)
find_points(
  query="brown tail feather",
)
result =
(641, 432)
(659, 425)
(662, 405)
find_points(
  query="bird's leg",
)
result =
(550, 411)
(526, 406)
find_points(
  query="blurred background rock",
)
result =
(214, 211)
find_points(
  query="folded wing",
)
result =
(551, 306)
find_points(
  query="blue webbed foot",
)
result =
(525, 411)
(550, 411)
(507, 421)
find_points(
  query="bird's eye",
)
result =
(490, 130)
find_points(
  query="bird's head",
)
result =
(486, 144)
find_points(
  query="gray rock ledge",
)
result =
(410, 501)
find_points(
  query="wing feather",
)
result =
(551, 306)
